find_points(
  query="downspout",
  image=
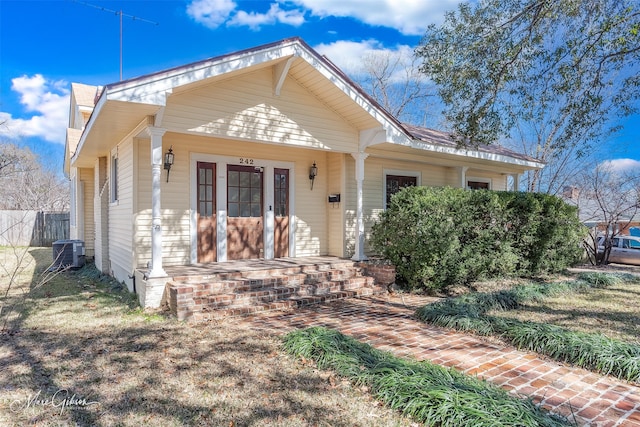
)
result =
(133, 279)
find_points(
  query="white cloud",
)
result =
(47, 103)
(274, 15)
(214, 13)
(407, 16)
(211, 13)
(622, 165)
(349, 55)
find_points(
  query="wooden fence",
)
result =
(32, 228)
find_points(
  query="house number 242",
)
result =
(244, 161)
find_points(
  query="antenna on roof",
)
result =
(119, 13)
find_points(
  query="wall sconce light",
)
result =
(313, 172)
(168, 161)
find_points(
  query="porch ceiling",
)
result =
(115, 120)
(360, 116)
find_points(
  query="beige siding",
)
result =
(101, 217)
(174, 205)
(245, 107)
(86, 178)
(350, 205)
(335, 211)
(120, 212)
(142, 206)
(321, 228)
(310, 205)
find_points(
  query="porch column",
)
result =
(516, 181)
(156, 214)
(462, 175)
(359, 249)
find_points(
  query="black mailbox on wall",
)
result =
(334, 198)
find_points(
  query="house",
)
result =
(621, 216)
(269, 152)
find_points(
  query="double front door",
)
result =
(245, 208)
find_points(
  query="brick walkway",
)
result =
(388, 323)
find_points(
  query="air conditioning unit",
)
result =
(67, 254)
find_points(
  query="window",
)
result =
(395, 183)
(206, 190)
(244, 186)
(478, 184)
(114, 178)
(281, 199)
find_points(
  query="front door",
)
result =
(206, 182)
(244, 212)
(281, 213)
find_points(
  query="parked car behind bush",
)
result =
(624, 249)
(438, 237)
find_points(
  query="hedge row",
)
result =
(439, 237)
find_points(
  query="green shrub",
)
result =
(439, 237)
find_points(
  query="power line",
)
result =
(121, 14)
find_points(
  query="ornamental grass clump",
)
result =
(431, 394)
(592, 351)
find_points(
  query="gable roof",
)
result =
(147, 96)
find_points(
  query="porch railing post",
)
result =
(359, 243)
(156, 212)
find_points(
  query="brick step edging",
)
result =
(241, 299)
(283, 305)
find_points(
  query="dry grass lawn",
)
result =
(612, 311)
(78, 352)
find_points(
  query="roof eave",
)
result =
(477, 154)
(87, 129)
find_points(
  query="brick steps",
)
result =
(246, 292)
(289, 303)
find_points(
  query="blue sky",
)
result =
(46, 45)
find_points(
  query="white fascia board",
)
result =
(390, 133)
(474, 154)
(155, 88)
(87, 129)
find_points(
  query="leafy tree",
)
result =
(553, 73)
